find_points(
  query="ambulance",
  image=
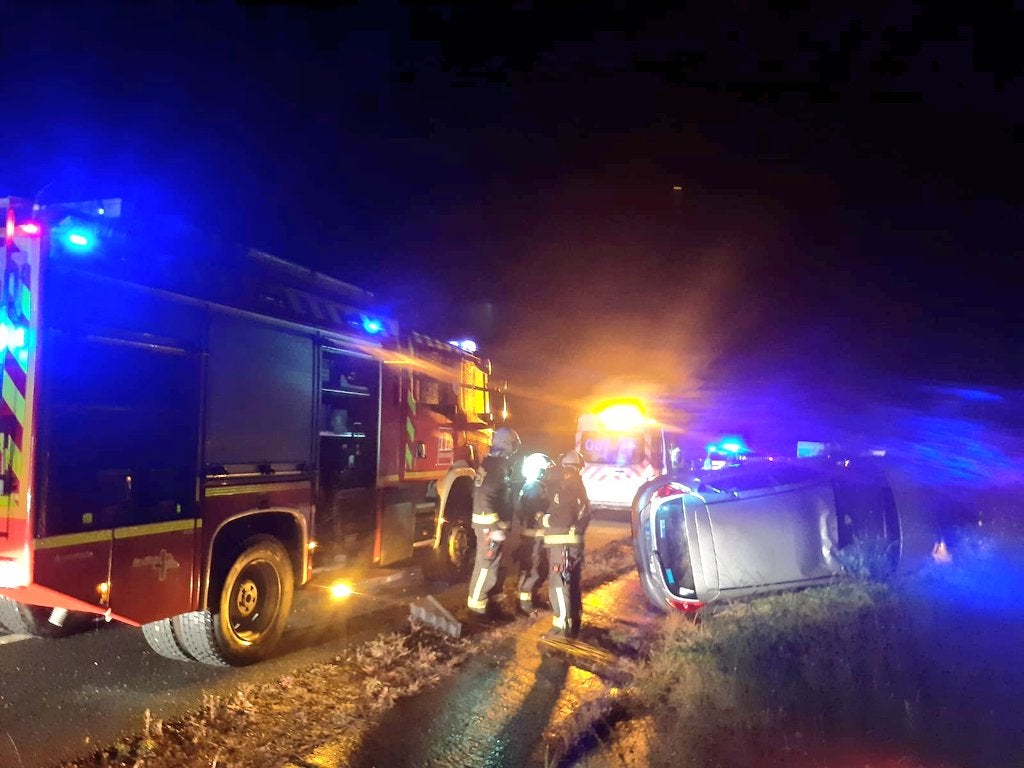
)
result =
(623, 448)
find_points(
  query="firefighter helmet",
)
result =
(505, 441)
(573, 459)
(535, 466)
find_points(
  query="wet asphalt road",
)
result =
(63, 699)
(507, 707)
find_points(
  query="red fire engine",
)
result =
(186, 426)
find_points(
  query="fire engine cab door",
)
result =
(349, 413)
(123, 461)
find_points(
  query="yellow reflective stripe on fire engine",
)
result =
(14, 399)
(12, 457)
(26, 302)
(128, 532)
(410, 429)
(425, 475)
(234, 490)
(150, 529)
(488, 518)
(73, 539)
(562, 538)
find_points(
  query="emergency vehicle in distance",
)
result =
(623, 449)
(186, 425)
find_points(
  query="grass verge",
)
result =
(919, 671)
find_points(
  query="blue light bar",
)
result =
(372, 325)
(12, 338)
(75, 236)
(466, 345)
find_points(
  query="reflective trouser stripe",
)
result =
(477, 601)
(559, 618)
(485, 518)
(526, 596)
(562, 538)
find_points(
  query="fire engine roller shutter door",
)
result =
(260, 390)
(119, 436)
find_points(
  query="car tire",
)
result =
(24, 619)
(250, 611)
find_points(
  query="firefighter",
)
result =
(564, 526)
(533, 503)
(492, 516)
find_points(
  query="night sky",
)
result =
(850, 181)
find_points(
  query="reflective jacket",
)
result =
(492, 492)
(567, 516)
(533, 504)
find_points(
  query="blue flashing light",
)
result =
(11, 337)
(730, 444)
(466, 345)
(76, 236)
(372, 325)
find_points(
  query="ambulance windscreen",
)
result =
(619, 449)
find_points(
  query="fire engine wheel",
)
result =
(250, 613)
(453, 559)
(162, 639)
(23, 619)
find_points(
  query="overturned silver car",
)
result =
(765, 525)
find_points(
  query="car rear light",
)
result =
(686, 606)
(669, 489)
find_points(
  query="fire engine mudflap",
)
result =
(528, 699)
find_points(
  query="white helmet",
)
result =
(505, 441)
(573, 459)
(535, 465)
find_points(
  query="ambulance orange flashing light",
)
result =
(622, 417)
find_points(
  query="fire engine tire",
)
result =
(23, 619)
(161, 638)
(250, 613)
(452, 560)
